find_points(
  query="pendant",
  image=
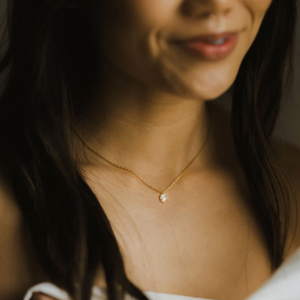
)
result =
(163, 198)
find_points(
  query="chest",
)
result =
(204, 242)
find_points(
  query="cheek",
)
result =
(258, 7)
(115, 19)
(152, 13)
(128, 31)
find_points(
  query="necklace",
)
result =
(162, 197)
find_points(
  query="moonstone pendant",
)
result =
(163, 198)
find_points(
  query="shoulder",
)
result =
(18, 267)
(289, 155)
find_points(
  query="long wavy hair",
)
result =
(48, 57)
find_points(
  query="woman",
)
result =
(118, 169)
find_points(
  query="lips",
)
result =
(205, 48)
(208, 37)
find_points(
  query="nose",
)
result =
(206, 8)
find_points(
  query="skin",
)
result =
(150, 112)
(152, 93)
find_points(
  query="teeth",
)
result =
(218, 42)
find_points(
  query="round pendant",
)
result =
(163, 198)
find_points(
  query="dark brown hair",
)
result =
(49, 67)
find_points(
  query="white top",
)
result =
(283, 285)
(98, 293)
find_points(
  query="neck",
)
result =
(147, 131)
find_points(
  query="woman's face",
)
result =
(136, 36)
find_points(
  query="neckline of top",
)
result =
(100, 292)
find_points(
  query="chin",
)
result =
(211, 94)
(213, 91)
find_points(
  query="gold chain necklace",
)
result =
(162, 197)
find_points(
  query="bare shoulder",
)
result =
(290, 156)
(18, 267)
